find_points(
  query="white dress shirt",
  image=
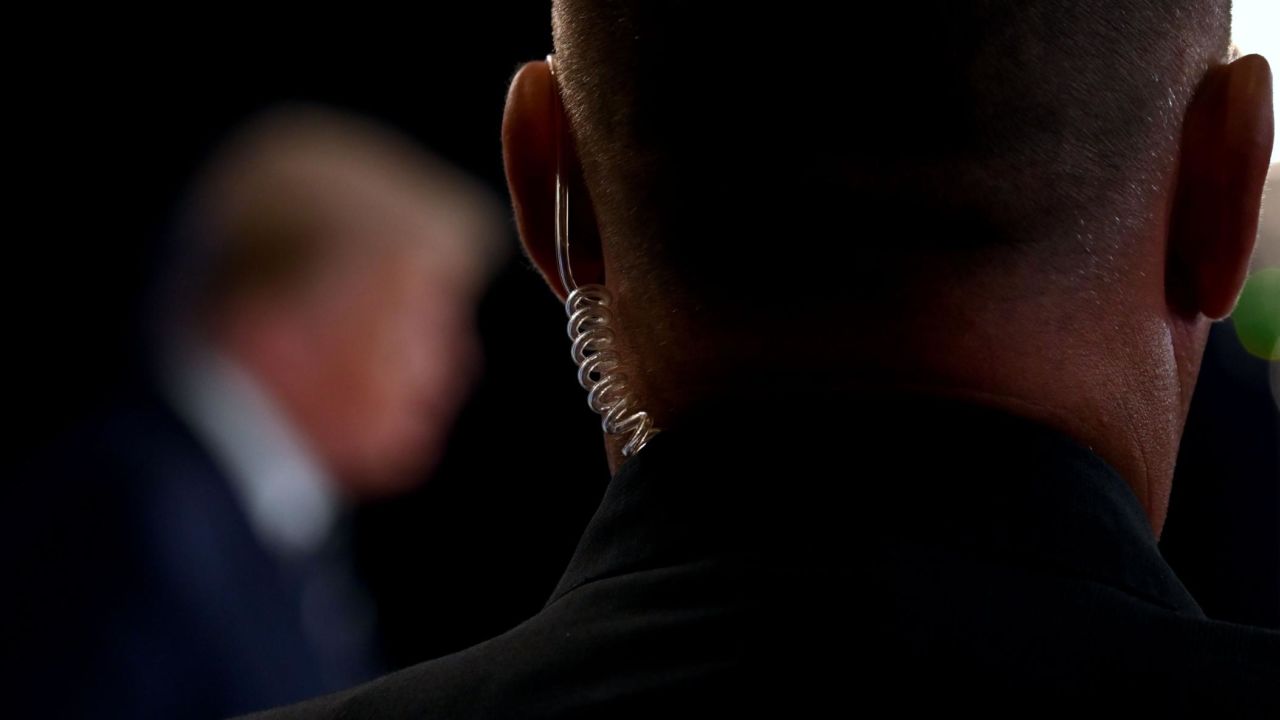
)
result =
(287, 494)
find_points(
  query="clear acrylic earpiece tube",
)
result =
(591, 329)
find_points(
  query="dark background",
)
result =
(109, 120)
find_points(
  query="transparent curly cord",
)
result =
(591, 324)
(599, 367)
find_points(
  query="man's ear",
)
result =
(534, 131)
(1226, 146)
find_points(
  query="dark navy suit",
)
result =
(144, 592)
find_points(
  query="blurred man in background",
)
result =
(314, 341)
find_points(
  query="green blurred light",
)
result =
(1257, 315)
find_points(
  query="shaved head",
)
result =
(1035, 204)
(726, 142)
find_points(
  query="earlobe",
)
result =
(1226, 148)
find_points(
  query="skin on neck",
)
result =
(1109, 357)
(1110, 380)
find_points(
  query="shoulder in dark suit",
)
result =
(145, 591)
(928, 556)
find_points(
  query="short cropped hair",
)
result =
(725, 142)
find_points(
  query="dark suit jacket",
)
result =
(915, 554)
(142, 591)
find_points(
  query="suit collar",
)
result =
(820, 481)
(286, 492)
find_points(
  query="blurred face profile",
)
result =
(348, 274)
(385, 353)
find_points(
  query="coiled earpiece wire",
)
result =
(591, 325)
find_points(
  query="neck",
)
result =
(1111, 384)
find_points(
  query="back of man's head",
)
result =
(1039, 205)
(820, 144)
